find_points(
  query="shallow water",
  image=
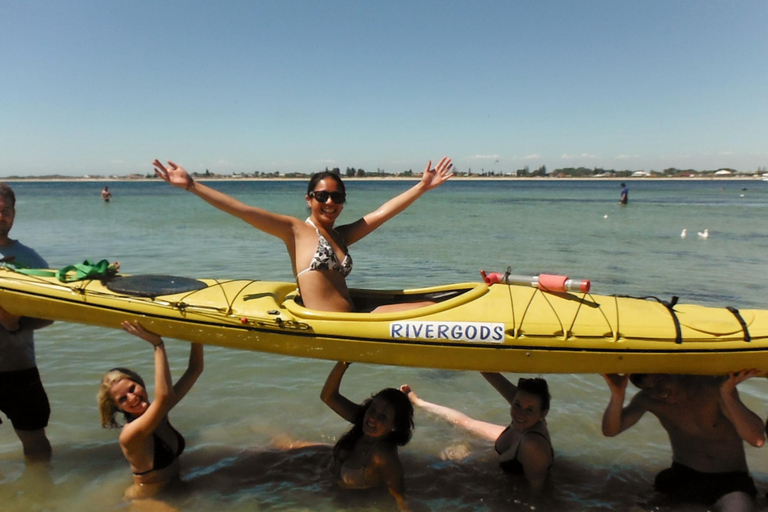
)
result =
(244, 400)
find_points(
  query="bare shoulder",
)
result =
(535, 444)
(130, 436)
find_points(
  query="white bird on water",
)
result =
(704, 234)
(684, 233)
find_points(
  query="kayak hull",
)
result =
(471, 326)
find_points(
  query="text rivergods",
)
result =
(482, 332)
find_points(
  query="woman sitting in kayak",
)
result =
(366, 456)
(149, 442)
(524, 447)
(317, 249)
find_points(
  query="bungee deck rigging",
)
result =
(471, 326)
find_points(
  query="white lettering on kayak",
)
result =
(482, 332)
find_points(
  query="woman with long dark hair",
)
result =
(318, 250)
(366, 456)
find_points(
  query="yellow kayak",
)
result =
(471, 326)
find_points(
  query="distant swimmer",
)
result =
(624, 199)
(106, 195)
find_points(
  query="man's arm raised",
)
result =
(749, 425)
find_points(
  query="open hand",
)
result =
(136, 329)
(410, 393)
(173, 174)
(437, 176)
(736, 378)
(9, 321)
(616, 382)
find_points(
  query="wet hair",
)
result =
(537, 387)
(661, 380)
(6, 192)
(107, 407)
(403, 422)
(638, 379)
(320, 176)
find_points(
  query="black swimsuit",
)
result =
(164, 455)
(514, 466)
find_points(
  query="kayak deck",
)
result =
(471, 326)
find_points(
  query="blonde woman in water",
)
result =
(149, 442)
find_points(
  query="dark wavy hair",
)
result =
(319, 176)
(403, 422)
(638, 379)
(6, 192)
(537, 387)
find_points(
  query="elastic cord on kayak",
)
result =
(744, 328)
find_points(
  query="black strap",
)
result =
(670, 307)
(744, 328)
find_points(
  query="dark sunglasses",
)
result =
(322, 196)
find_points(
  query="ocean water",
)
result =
(244, 401)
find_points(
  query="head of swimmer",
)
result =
(659, 386)
(326, 195)
(121, 390)
(388, 415)
(531, 403)
(7, 211)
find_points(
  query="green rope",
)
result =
(71, 273)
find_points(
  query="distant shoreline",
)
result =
(393, 178)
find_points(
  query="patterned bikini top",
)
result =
(325, 258)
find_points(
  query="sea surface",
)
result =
(245, 402)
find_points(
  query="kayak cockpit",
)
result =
(365, 301)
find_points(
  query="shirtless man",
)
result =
(706, 423)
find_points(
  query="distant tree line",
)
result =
(525, 172)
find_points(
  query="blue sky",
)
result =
(104, 87)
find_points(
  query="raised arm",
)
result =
(275, 224)
(482, 429)
(194, 369)
(145, 424)
(615, 418)
(502, 385)
(340, 404)
(748, 424)
(391, 471)
(430, 179)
